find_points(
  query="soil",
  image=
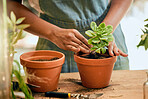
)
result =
(55, 58)
(94, 55)
(82, 89)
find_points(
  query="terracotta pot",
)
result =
(43, 73)
(95, 73)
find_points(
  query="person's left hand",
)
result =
(114, 50)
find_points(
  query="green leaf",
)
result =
(24, 88)
(98, 50)
(89, 33)
(18, 65)
(13, 17)
(109, 27)
(8, 20)
(90, 41)
(108, 31)
(110, 39)
(141, 43)
(12, 92)
(23, 35)
(93, 48)
(96, 40)
(146, 43)
(99, 32)
(93, 26)
(103, 43)
(143, 37)
(103, 50)
(146, 20)
(99, 45)
(23, 26)
(105, 34)
(20, 20)
(10, 24)
(143, 31)
(18, 37)
(146, 31)
(103, 38)
(146, 25)
(102, 25)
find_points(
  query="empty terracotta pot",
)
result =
(95, 73)
(42, 72)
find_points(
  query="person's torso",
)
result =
(76, 14)
(70, 10)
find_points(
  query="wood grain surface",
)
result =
(124, 84)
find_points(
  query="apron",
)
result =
(78, 14)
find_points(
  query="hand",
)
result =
(114, 50)
(69, 39)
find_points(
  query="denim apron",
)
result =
(78, 14)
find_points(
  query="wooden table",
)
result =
(125, 84)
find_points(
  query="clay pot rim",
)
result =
(94, 62)
(94, 59)
(41, 61)
(45, 64)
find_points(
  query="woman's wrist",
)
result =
(52, 31)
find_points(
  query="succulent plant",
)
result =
(100, 36)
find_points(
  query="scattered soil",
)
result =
(94, 55)
(76, 81)
(82, 89)
(55, 58)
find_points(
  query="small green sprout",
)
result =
(100, 36)
(144, 37)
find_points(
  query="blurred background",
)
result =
(131, 24)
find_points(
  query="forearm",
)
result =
(116, 12)
(67, 39)
(37, 25)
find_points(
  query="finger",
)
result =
(80, 43)
(122, 53)
(82, 49)
(81, 38)
(115, 49)
(110, 50)
(72, 37)
(73, 48)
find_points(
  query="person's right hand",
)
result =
(69, 39)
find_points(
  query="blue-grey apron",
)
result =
(78, 14)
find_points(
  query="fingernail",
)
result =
(117, 54)
(88, 51)
(78, 49)
(112, 54)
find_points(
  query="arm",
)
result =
(67, 39)
(116, 12)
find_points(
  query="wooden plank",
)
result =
(125, 84)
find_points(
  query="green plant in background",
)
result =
(16, 33)
(144, 37)
(100, 36)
